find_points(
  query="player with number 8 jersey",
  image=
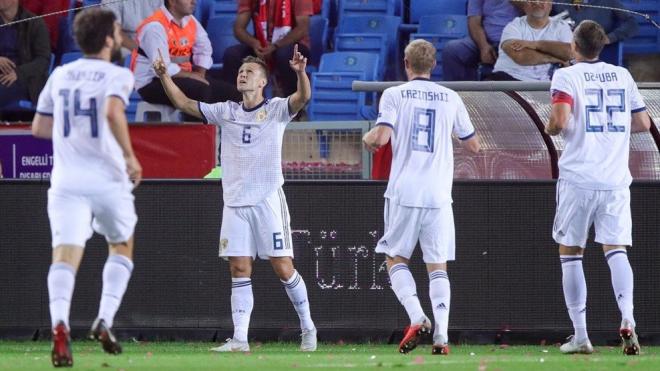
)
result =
(420, 117)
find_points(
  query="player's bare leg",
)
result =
(405, 290)
(297, 291)
(440, 293)
(242, 302)
(61, 281)
(575, 294)
(116, 274)
(622, 283)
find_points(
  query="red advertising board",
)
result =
(165, 151)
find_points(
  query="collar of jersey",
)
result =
(421, 79)
(591, 62)
(255, 107)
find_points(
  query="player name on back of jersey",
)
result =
(424, 95)
(93, 76)
(601, 77)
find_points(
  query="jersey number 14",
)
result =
(78, 111)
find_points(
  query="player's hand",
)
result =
(368, 145)
(159, 65)
(8, 79)
(298, 62)
(6, 66)
(134, 170)
(488, 55)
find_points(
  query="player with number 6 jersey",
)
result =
(596, 106)
(420, 117)
(255, 216)
(82, 108)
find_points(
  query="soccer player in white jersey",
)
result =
(255, 217)
(596, 106)
(420, 116)
(82, 108)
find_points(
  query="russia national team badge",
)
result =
(261, 115)
(223, 245)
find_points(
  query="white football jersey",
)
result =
(597, 137)
(87, 157)
(423, 116)
(251, 148)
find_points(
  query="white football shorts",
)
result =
(74, 218)
(262, 229)
(432, 227)
(578, 209)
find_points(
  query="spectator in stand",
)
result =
(486, 20)
(24, 54)
(532, 45)
(129, 15)
(41, 7)
(186, 49)
(279, 24)
(618, 25)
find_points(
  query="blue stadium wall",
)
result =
(506, 282)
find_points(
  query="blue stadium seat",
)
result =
(444, 24)
(221, 34)
(70, 57)
(367, 43)
(365, 7)
(91, 2)
(419, 8)
(131, 109)
(647, 40)
(204, 11)
(225, 7)
(318, 34)
(362, 29)
(332, 96)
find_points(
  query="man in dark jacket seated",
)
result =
(24, 55)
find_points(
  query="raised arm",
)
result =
(115, 113)
(301, 96)
(176, 96)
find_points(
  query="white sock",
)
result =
(440, 293)
(403, 285)
(622, 282)
(61, 281)
(116, 274)
(297, 292)
(575, 293)
(242, 302)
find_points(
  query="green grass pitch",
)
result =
(284, 356)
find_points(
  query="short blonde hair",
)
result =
(420, 55)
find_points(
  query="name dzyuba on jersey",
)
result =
(601, 77)
(424, 95)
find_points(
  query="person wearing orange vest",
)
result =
(278, 25)
(174, 32)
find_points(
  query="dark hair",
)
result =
(91, 28)
(260, 62)
(167, 3)
(589, 38)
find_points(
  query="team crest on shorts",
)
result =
(223, 245)
(261, 115)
